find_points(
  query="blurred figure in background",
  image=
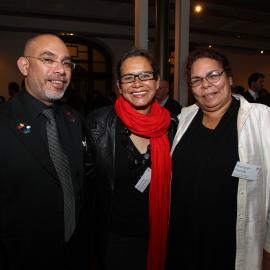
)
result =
(256, 92)
(164, 99)
(13, 89)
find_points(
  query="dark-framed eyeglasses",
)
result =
(143, 76)
(51, 63)
(211, 77)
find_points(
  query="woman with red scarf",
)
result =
(129, 149)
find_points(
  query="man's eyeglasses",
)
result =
(211, 77)
(143, 76)
(49, 62)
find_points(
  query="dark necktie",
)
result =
(60, 161)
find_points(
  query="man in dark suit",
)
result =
(164, 99)
(33, 224)
(256, 92)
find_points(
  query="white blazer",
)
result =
(253, 215)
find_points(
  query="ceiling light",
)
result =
(198, 8)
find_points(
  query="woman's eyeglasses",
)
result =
(211, 77)
(143, 76)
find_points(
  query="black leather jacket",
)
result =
(101, 126)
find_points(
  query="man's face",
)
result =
(258, 85)
(44, 81)
(162, 91)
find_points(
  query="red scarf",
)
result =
(153, 126)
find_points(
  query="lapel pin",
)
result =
(25, 129)
(70, 116)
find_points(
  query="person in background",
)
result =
(256, 92)
(13, 89)
(40, 196)
(164, 99)
(129, 144)
(219, 217)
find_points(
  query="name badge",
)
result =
(246, 171)
(144, 180)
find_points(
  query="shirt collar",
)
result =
(253, 93)
(33, 105)
(163, 102)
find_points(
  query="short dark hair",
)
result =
(254, 77)
(135, 52)
(207, 53)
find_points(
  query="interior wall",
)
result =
(11, 47)
(245, 64)
(12, 44)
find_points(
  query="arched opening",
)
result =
(91, 85)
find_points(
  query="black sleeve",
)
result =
(172, 128)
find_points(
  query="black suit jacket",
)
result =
(31, 198)
(173, 106)
(264, 98)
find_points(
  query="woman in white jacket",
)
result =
(220, 186)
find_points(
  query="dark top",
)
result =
(129, 215)
(202, 233)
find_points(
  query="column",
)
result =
(162, 37)
(141, 24)
(182, 14)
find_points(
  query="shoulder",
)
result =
(72, 114)
(245, 105)
(188, 111)
(102, 116)
(11, 109)
(260, 111)
(253, 115)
